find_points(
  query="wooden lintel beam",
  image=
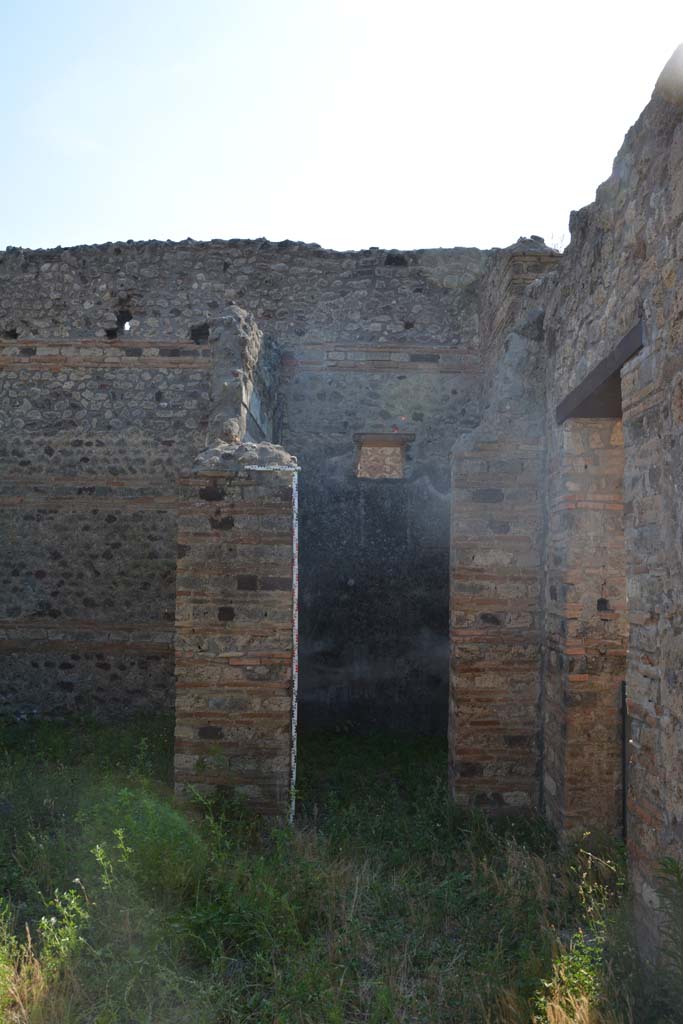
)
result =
(631, 343)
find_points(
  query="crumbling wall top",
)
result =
(228, 457)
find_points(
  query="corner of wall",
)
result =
(496, 544)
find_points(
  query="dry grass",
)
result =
(383, 906)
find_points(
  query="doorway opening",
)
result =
(585, 720)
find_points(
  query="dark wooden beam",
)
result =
(599, 393)
(393, 440)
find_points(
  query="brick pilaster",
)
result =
(586, 628)
(234, 637)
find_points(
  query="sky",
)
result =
(351, 123)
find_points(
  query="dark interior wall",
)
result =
(100, 421)
(374, 552)
(374, 616)
(399, 357)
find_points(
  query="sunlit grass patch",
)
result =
(384, 904)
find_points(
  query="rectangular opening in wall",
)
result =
(374, 620)
(382, 456)
(599, 393)
(586, 725)
(587, 614)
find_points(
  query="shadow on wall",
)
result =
(374, 607)
(370, 695)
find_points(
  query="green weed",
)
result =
(384, 905)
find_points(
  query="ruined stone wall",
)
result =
(100, 421)
(91, 439)
(95, 431)
(625, 261)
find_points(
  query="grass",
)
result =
(384, 904)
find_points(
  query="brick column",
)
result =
(497, 526)
(235, 692)
(495, 621)
(586, 623)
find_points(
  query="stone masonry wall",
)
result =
(94, 433)
(611, 551)
(625, 261)
(101, 419)
(91, 437)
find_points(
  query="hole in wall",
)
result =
(199, 333)
(597, 434)
(123, 319)
(12, 334)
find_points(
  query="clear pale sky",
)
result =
(350, 123)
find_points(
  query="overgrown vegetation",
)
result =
(383, 905)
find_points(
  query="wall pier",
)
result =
(495, 623)
(497, 525)
(235, 693)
